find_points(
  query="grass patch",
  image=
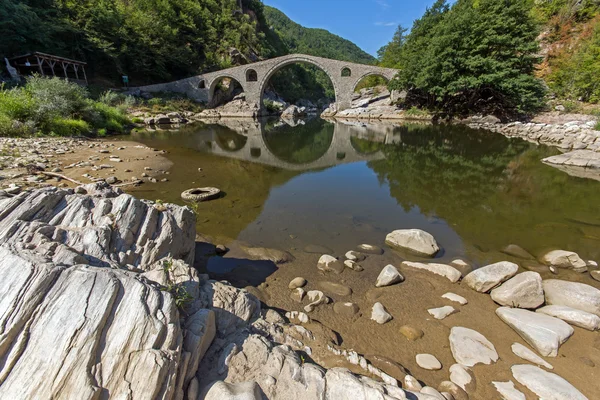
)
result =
(416, 112)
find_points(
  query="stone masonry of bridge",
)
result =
(254, 78)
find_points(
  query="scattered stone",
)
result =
(316, 298)
(380, 314)
(470, 347)
(335, 288)
(573, 316)
(572, 294)
(317, 249)
(354, 256)
(565, 259)
(523, 290)
(442, 312)
(428, 361)
(508, 391)
(297, 283)
(517, 251)
(463, 377)
(103, 151)
(462, 266)
(545, 385)
(411, 383)
(415, 241)
(273, 317)
(329, 263)
(486, 278)
(451, 273)
(273, 255)
(111, 180)
(221, 249)
(455, 298)
(521, 351)
(388, 276)
(456, 391)
(432, 393)
(370, 249)
(543, 332)
(591, 264)
(411, 333)
(348, 310)
(595, 275)
(353, 265)
(298, 294)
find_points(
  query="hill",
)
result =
(313, 41)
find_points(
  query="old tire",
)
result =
(200, 194)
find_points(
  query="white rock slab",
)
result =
(470, 347)
(447, 271)
(523, 290)
(413, 240)
(380, 314)
(388, 276)
(455, 298)
(573, 316)
(543, 332)
(442, 312)
(508, 391)
(544, 384)
(428, 361)
(572, 294)
(521, 351)
(461, 375)
(486, 278)
(329, 263)
(565, 259)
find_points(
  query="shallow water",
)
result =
(340, 185)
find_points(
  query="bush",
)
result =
(68, 127)
(597, 126)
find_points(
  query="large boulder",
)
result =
(414, 241)
(523, 290)
(543, 332)
(544, 384)
(490, 276)
(470, 347)
(565, 259)
(572, 294)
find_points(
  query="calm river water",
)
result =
(339, 185)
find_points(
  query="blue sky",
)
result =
(368, 23)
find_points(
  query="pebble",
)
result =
(329, 263)
(442, 312)
(595, 275)
(411, 383)
(463, 377)
(388, 276)
(429, 362)
(297, 283)
(369, 249)
(523, 352)
(221, 249)
(354, 256)
(456, 391)
(111, 180)
(348, 310)
(298, 294)
(353, 265)
(411, 333)
(380, 314)
(335, 288)
(508, 391)
(455, 298)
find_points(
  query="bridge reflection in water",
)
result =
(298, 145)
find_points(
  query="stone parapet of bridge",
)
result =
(254, 78)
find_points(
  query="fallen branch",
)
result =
(139, 181)
(55, 175)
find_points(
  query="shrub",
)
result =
(68, 127)
(55, 97)
(16, 104)
(597, 126)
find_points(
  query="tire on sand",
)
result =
(197, 195)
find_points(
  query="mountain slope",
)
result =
(312, 41)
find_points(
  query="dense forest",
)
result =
(485, 55)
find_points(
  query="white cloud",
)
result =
(385, 24)
(382, 3)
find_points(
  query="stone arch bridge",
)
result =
(254, 78)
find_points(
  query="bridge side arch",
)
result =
(211, 85)
(293, 60)
(384, 74)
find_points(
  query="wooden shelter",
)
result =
(49, 65)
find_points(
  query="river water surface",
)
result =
(340, 185)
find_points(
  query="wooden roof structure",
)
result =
(50, 65)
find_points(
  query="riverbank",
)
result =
(68, 162)
(373, 331)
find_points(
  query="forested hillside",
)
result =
(162, 40)
(489, 55)
(316, 42)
